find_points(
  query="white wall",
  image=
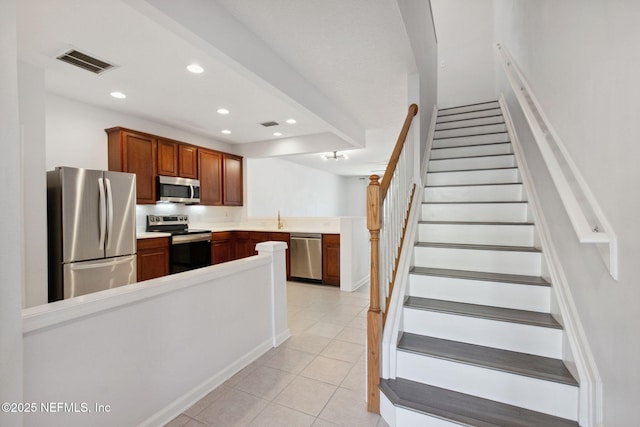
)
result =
(11, 255)
(580, 60)
(419, 24)
(151, 350)
(76, 137)
(296, 190)
(32, 122)
(466, 69)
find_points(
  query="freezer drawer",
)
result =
(306, 256)
(82, 278)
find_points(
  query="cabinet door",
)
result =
(331, 259)
(139, 158)
(242, 245)
(188, 161)
(153, 258)
(256, 237)
(210, 171)
(167, 158)
(221, 247)
(232, 169)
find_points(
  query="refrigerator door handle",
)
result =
(102, 213)
(109, 212)
(89, 266)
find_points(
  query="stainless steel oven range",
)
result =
(190, 248)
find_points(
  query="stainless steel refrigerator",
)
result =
(91, 231)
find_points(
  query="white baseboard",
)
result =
(591, 399)
(360, 283)
(185, 401)
(282, 337)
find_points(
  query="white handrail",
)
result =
(587, 219)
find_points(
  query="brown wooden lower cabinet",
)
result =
(152, 258)
(242, 245)
(222, 247)
(331, 259)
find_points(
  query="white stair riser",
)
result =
(497, 119)
(488, 212)
(475, 193)
(447, 115)
(488, 162)
(470, 108)
(490, 176)
(470, 130)
(490, 261)
(548, 397)
(518, 337)
(496, 294)
(472, 150)
(470, 140)
(480, 234)
(396, 416)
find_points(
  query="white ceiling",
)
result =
(354, 54)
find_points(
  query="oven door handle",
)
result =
(189, 238)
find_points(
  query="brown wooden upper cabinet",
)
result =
(134, 152)
(176, 159)
(148, 156)
(232, 180)
(210, 168)
(187, 161)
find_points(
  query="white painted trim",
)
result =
(544, 134)
(43, 316)
(360, 283)
(185, 401)
(429, 144)
(591, 399)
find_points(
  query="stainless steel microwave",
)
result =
(178, 190)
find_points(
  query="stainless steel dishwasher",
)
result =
(306, 256)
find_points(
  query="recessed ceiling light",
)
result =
(291, 121)
(118, 95)
(223, 111)
(277, 134)
(195, 68)
(226, 131)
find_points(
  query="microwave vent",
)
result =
(84, 61)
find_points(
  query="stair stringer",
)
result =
(393, 327)
(577, 354)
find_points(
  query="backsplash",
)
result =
(197, 213)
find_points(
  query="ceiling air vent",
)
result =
(84, 61)
(269, 124)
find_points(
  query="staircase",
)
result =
(479, 347)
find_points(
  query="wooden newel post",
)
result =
(374, 319)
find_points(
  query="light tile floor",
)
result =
(316, 378)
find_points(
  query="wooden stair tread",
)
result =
(467, 112)
(462, 408)
(453, 171)
(529, 365)
(470, 118)
(481, 275)
(493, 101)
(511, 315)
(470, 126)
(469, 136)
(471, 157)
(465, 146)
(475, 223)
(473, 185)
(477, 247)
